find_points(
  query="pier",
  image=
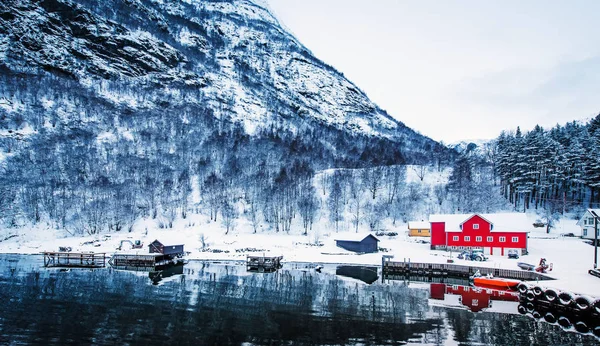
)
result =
(263, 264)
(75, 259)
(142, 261)
(408, 268)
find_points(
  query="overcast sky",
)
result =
(456, 70)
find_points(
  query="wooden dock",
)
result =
(140, 261)
(263, 263)
(407, 268)
(75, 259)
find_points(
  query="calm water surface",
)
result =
(204, 303)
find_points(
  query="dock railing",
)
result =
(407, 267)
(74, 259)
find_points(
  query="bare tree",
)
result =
(420, 170)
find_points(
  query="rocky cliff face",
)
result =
(118, 108)
(234, 52)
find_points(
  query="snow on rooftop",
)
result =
(503, 222)
(353, 236)
(418, 225)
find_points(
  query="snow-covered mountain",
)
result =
(119, 108)
(234, 55)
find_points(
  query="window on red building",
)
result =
(475, 226)
(478, 238)
(455, 238)
(490, 239)
(467, 238)
(502, 239)
(515, 239)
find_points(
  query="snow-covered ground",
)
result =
(571, 257)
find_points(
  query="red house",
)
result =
(474, 298)
(495, 234)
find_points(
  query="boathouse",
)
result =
(158, 247)
(358, 243)
(495, 234)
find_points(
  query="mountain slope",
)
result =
(246, 66)
(111, 110)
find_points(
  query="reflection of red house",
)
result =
(474, 298)
(493, 233)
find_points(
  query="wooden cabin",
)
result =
(419, 229)
(358, 243)
(158, 247)
(587, 224)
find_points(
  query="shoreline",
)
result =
(330, 266)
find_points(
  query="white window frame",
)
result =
(467, 238)
(475, 226)
(490, 238)
(502, 239)
(585, 232)
(479, 238)
(515, 239)
(455, 238)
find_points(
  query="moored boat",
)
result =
(489, 281)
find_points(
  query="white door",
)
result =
(497, 251)
(487, 250)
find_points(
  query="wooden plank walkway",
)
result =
(396, 268)
(75, 259)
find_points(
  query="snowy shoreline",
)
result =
(571, 257)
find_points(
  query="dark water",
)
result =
(205, 303)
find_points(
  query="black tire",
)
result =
(581, 327)
(530, 296)
(564, 322)
(551, 295)
(522, 287)
(565, 298)
(538, 291)
(536, 315)
(530, 307)
(597, 305)
(583, 303)
(522, 309)
(596, 331)
(478, 259)
(549, 317)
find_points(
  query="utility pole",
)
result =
(595, 238)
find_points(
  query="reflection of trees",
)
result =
(223, 304)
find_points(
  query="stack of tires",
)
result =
(570, 311)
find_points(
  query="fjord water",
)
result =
(204, 303)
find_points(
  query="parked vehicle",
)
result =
(513, 254)
(475, 255)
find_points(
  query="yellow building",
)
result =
(419, 229)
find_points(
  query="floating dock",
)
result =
(408, 268)
(75, 259)
(263, 263)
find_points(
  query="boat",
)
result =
(526, 266)
(490, 281)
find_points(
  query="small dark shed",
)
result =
(358, 243)
(158, 247)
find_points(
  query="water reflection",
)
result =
(222, 304)
(365, 274)
(475, 299)
(164, 272)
